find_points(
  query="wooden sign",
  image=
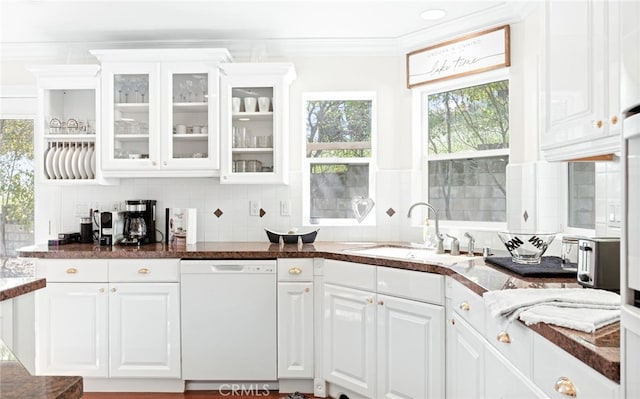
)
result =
(474, 53)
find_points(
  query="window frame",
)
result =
(420, 100)
(370, 220)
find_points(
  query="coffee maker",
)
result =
(139, 222)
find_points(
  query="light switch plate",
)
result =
(254, 207)
(285, 208)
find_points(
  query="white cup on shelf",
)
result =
(250, 104)
(235, 104)
(263, 104)
(181, 129)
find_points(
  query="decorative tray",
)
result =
(292, 237)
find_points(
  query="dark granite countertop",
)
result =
(12, 287)
(17, 383)
(599, 350)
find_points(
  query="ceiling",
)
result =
(241, 23)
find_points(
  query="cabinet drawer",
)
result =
(468, 304)
(424, 287)
(349, 274)
(144, 270)
(73, 270)
(515, 345)
(295, 269)
(551, 363)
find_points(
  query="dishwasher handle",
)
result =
(226, 268)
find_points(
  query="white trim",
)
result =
(370, 220)
(421, 149)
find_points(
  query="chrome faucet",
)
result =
(472, 242)
(439, 237)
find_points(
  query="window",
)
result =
(16, 190)
(582, 195)
(340, 128)
(467, 151)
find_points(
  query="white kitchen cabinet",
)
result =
(409, 348)
(254, 136)
(465, 371)
(555, 370)
(144, 330)
(581, 79)
(6, 322)
(295, 318)
(160, 112)
(349, 339)
(388, 343)
(72, 329)
(67, 125)
(504, 380)
(108, 319)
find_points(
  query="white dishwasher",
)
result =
(229, 320)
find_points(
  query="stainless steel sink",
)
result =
(427, 255)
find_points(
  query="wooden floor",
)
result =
(186, 395)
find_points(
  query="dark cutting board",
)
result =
(550, 266)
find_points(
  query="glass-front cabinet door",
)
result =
(131, 101)
(191, 133)
(254, 128)
(160, 112)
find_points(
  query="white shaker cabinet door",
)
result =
(410, 350)
(72, 329)
(144, 328)
(295, 330)
(349, 339)
(504, 380)
(465, 360)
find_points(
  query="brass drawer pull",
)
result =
(307, 290)
(144, 270)
(295, 270)
(504, 337)
(565, 387)
(465, 306)
(72, 270)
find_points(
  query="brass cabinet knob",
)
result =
(465, 306)
(144, 270)
(504, 337)
(295, 270)
(154, 163)
(72, 270)
(369, 300)
(614, 119)
(101, 290)
(113, 289)
(565, 387)
(307, 290)
(381, 302)
(598, 124)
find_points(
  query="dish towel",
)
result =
(581, 309)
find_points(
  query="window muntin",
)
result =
(467, 151)
(339, 132)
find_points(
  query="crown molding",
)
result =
(241, 50)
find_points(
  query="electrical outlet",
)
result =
(254, 208)
(285, 208)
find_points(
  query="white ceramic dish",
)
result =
(67, 162)
(87, 163)
(47, 151)
(74, 162)
(55, 162)
(83, 153)
(93, 163)
(61, 163)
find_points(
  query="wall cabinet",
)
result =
(255, 122)
(160, 111)
(116, 318)
(295, 318)
(581, 80)
(67, 125)
(379, 339)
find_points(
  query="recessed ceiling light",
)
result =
(431, 15)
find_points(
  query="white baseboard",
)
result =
(132, 385)
(297, 385)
